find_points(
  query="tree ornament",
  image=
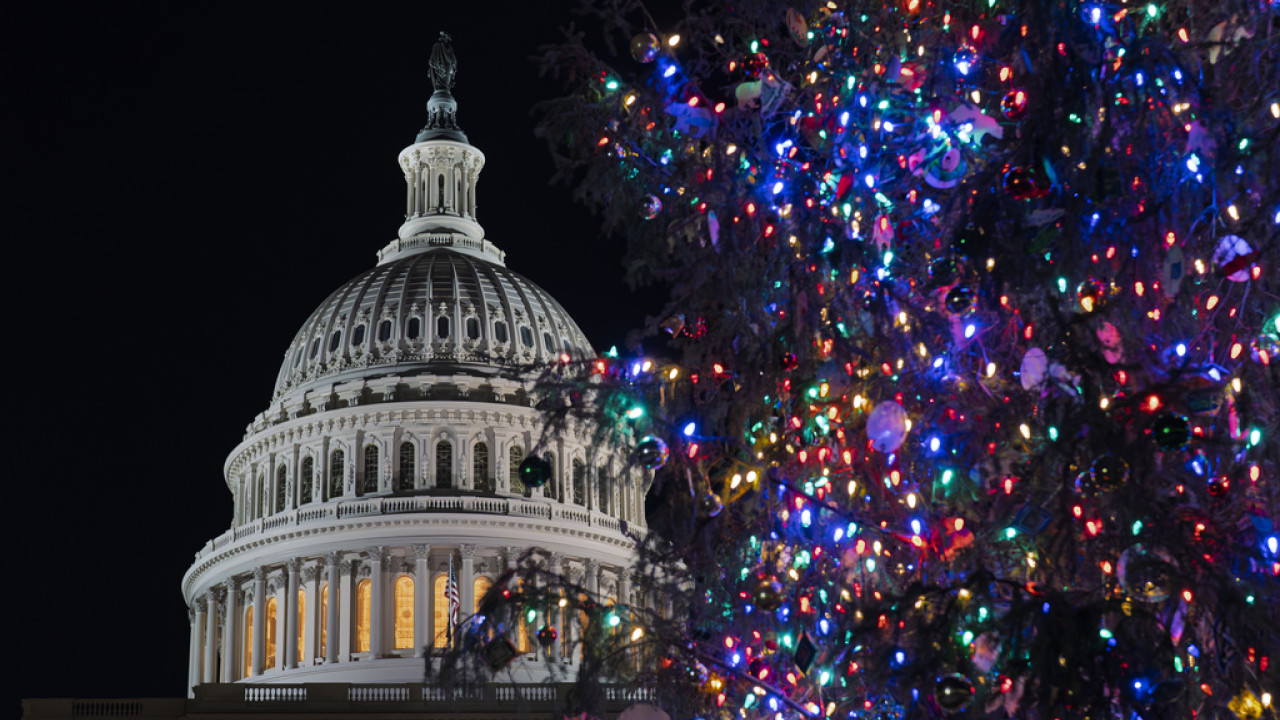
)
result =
(1145, 573)
(944, 271)
(755, 63)
(652, 206)
(1109, 472)
(1234, 258)
(645, 47)
(1023, 184)
(711, 505)
(499, 653)
(885, 708)
(1246, 705)
(1034, 368)
(698, 673)
(1171, 431)
(768, 594)
(789, 361)
(535, 471)
(959, 299)
(652, 452)
(1091, 293)
(887, 426)
(547, 635)
(954, 693)
(1013, 105)
(1218, 486)
(965, 59)
(798, 26)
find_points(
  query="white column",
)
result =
(279, 588)
(259, 621)
(231, 610)
(624, 587)
(195, 616)
(422, 596)
(346, 612)
(291, 608)
(467, 582)
(592, 569)
(331, 609)
(210, 635)
(377, 598)
(311, 627)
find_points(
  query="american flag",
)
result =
(451, 592)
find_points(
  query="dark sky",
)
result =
(184, 185)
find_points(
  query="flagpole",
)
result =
(449, 590)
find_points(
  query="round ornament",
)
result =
(768, 594)
(652, 452)
(965, 59)
(789, 361)
(1218, 486)
(546, 635)
(755, 63)
(1034, 369)
(954, 693)
(959, 299)
(1091, 293)
(711, 505)
(535, 471)
(1171, 431)
(887, 426)
(652, 206)
(1145, 573)
(798, 26)
(1109, 472)
(1013, 105)
(1234, 257)
(1023, 184)
(645, 47)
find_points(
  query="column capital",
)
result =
(345, 566)
(422, 551)
(292, 565)
(332, 557)
(309, 573)
(467, 550)
(259, 574)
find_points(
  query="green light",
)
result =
(1255, 437)
(884, 105)
(1074, 118)
(1062, 284)
(982, 614)
(847, 209)
(613, 352)
(1244, 143)
(1105, 634)
(1137, 526)
(1053, 433)
(786, 640)
(1249, 599)
(755, 46)
(1010, 533)
(824, 678)
(967, 638)
(751, 700)
(611, 84)
(1152, 10)
(530, 615)
(946, 477)
(1177, 664)
(614, 620)
(635, 413)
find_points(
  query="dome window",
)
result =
(357, 335)
(515, 456)
(526, 336)
(444, 464)
(413, 331)
(315, 348)
(281, 475)
(305, 482)
(337, 468)
(480, 478)
(548, 343)
(473, 329)
(500, 331)
(334, 340)
(370, 483)
(407, 465)
(442, 327)
(384, 331)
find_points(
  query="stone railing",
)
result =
(374, 506)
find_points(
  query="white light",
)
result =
(969, 330)
(777, 187)
(1181, 349)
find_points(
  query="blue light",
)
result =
(671, 70)
(777, 187)
(805, 518)
(839, 534)
(828, 245)
(735, 659)
(1139, 77)
(1045, 608)
(844, 119)
(1273, 545)
(1181, 349)
(862, 100)
(690, 428)
(1093, 221)
(969, 330)
(823, 626)
(1177, 75)
(1193, 163)
(870, 180)
(1095, 15)
(899, 657)
(862, 151)
(934, 444)
(915, 527)
(1193, 651)
(937, 363)
(888, 126)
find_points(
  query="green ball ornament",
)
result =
(954, 693)
(1171, 431)
(768, 594)
(535, 471)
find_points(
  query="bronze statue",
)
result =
(443, 64)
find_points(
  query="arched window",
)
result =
(334, 340)
(337, 467)
(412, 332)
(404, 613)
(407, 467)
(514, 457)
(364, 607)
(526, 337)
(473, 328)
(315, 348)
(302, 622)
(384, 331)
(357, 335)
(442, 327)
(480, 468)
(444, 464)
(440, 193)
(369, 483)
(269, 659)
(602, 477)
(579, 482)
(305, 481)
(479, 587)
(281, 476)
(550, 488)
(440, 612)
(324, 621)
(500, 332)
(248, 641)
(548, 343)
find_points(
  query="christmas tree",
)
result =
(965, 401)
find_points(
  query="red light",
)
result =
(719, 108)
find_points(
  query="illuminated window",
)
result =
(337, 466)
(602, 477)
(440, 612)
(324, 620)
(248, 641)
(281, 475)
(407, 465)
(479, 588)
(369, 484)
(364, 606)
(444, 464)
(480, 468)
(269, 659)
(514, 457)
(302, 623)
(404, 612)
(579, 482)
(305, 481)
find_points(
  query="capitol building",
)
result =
(379, 490)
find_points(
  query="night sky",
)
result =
(184, 185)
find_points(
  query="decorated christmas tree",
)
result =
(965, 401)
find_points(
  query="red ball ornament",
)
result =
(546, 635)
(755, 63)
(1218, 486)
(1014, 105)
(1024, 184)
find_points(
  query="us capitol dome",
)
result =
(380, 489)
